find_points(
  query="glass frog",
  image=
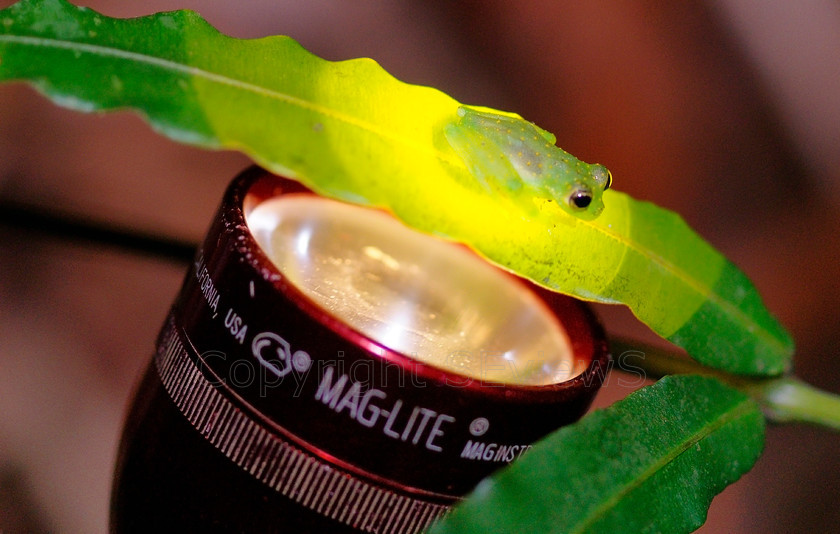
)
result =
(514, 157)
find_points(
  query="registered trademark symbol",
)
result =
(479, 426)
(301, 361)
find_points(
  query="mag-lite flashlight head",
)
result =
(326, 369)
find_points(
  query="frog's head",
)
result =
(583, 197)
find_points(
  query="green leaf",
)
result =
(649, 463)
(351, 131)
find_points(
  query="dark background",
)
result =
(725, 111)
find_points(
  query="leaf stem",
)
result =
(77, 229)
(784, 399)
(788, 399)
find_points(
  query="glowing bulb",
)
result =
(413, 293)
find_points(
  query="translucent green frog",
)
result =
(516, 158)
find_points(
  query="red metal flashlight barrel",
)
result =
(265, 411)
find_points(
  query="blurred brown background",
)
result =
(726, 111)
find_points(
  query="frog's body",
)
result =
(514, 157)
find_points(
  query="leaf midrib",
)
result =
(742, 409)
(700, 288)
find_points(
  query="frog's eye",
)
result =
(580, 199)
(609, 180)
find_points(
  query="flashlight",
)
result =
(326, 369)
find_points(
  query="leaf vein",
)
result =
(739, 411)
(690, 281)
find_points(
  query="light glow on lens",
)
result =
(413, 293)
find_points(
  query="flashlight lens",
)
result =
(413, 293)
